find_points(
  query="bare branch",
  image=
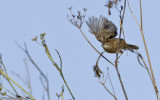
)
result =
(110, 81)
(36, 66)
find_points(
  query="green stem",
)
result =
(8, 79)
(61, 75)
(55, 64)
(7, 89)
(67, 85)
(16, 83)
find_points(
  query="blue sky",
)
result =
(23, 20)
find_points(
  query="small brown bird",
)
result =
(105, 32)
(112, 45)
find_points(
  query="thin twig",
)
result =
(146, 67)
(18, 76)
(120, 79)
(43, 84)
(44, 87)
(99, 70)
(108, 90)
(122, 30)
(32, 61)
(133, 15)
(28, 76)
(110, 81)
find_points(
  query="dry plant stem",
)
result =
(141, 29)
(155, 86)
(94, 47)
(108, 90)
(6, 76)
(146, 69)
(133, 15)
(32, 61)
(122, 30)
(111, 83)
(8, 79)
(98, 61)
(148, 72)
(119, 76)
(140, 54)
(120, 79)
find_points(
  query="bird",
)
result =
(105, 32)
(112, 46)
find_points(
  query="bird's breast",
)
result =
(109, 48)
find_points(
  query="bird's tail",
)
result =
(95, 24)
(131, 47)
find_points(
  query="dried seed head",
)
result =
(77, 19)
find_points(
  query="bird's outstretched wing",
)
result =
(110, 28)
(95, 24)
(102, 28)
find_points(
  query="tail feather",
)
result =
(132, 47)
